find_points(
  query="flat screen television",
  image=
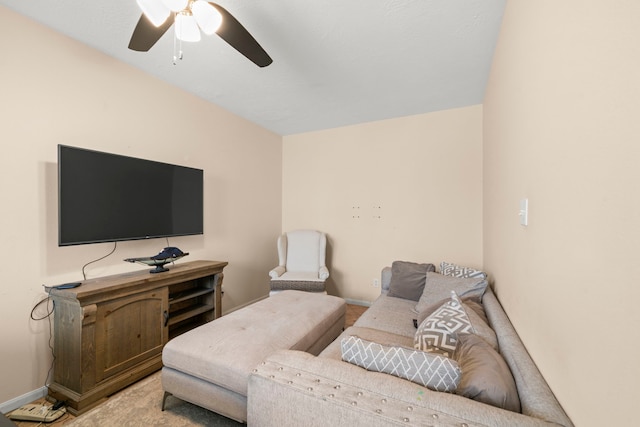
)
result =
(105, 197)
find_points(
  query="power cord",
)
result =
(47, 411)
(84, 275)
(47, 300)
(48, 314)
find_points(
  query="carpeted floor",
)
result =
(140, 405)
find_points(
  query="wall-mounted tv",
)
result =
(105, 197)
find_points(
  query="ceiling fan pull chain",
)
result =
(176, 41)
(175, 58)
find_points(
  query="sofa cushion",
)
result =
(297, 285)
(449, 269)
(305, 250)
(485, 375)
(408, 279)
(390, 314)
(437, 333)
(438, 287)
(334, 350)
(432, 371)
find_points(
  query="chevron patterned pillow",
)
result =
(437, 333)
(430, 370)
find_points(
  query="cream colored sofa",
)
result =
(297, 388)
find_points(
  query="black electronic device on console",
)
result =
(69, 285)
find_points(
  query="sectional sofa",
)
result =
(371, 374)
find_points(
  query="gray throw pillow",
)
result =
(438, 288)
(430, 370)
(408, 279)
(486, 377)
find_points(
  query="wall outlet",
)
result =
(375, 283)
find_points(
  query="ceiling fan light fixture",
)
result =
(207, 16)
(154, 10)
(175, 5)
(186, 27)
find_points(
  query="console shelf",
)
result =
(182, 296)
(187, 313)
(110, 331)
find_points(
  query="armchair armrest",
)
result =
(323, 273)
(277, 272)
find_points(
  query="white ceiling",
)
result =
(335, 62)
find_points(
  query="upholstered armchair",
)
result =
(301, 265)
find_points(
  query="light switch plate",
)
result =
(524, 212)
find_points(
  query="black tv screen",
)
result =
(105, 197)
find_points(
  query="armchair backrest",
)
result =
(302, 250)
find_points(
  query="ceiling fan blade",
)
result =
(239, 38)
(145, 35)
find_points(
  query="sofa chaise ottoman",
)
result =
(210, 365)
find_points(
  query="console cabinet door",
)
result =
(130, 330)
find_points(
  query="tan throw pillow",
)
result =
(430, 370)
(486, 377)
(438, 332)
(407, 279)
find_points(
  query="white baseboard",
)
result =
(358, 302)
(19, 401)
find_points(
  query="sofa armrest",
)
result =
(323, 273)
(277, 272)
(318, 391)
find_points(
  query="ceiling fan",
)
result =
(190, 17)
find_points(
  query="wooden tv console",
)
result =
(109, 332)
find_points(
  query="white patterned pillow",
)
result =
(430, 370)
(454, 270)
(438, 332)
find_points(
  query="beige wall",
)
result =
(56, 91)
(400, 189)
(561, 127)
